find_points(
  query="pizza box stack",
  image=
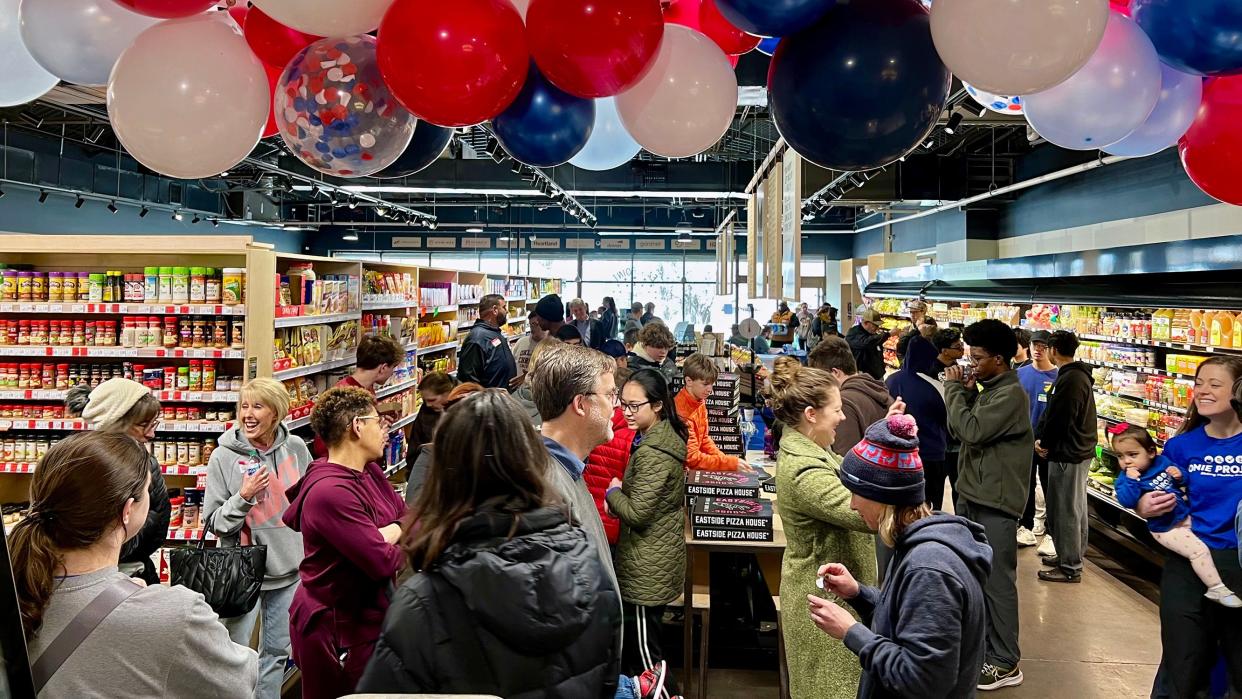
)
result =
(724, 424)
(716, 518)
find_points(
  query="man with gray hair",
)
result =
(576, 394)
(592, 330)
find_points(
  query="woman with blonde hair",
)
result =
(127, 407)
(923, 634)
(258, 460)
(819, 526)
(87, 498)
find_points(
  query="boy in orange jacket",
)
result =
(701, 452)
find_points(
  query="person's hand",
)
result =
(838, 580)
(614, 483)
(516, 382)
(253, 485)
(894, 332)
(1133, 473)
(1156, 504)
(954, 374)
(1039, 449)
(1173, 471)
(897, 408)
(829, 617)
(391, 533)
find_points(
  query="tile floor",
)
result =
(1098, 639)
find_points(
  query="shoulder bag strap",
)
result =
(72, 636)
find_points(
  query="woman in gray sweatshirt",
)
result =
(258, 460)
(89, 496)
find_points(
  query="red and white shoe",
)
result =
(651, 682)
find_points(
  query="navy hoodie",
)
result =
(923, 635)
(915, 384)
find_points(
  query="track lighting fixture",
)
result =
(42, 196)
(351, 236)
(196, 219)
(112, 207)
(177, 216)
(77, 203)
(955, 121)
(142, 213)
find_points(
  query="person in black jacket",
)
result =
(867, 342)
(1066, 436)
(485, 355)
(593, 332)
(127, 407)
(509, 597)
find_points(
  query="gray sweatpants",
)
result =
(1001, 587)
(1067, 512)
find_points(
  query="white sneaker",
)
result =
(1025, 537)
(1046, 547)
(1039, 530)
(1223, 596)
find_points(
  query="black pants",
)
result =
(934, 474)
(641, 649)
(950, 470)
(1039, 466)
(1193, 629)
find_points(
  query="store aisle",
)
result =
(1095, 639)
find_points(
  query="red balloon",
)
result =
(273, 80)
(594, 48)
(238, 13)
(167, 9)
(456, 63)
(733, 60)
(1212, 148)
(683, 12)
(729, 38)
(274, 43)
(1122, 6)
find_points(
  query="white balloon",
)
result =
(188, 99)
(23, 79)
(327, 17)
(79, 41)
(610, 145)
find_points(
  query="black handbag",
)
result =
(229, 577)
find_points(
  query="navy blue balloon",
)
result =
(772, 17)
(861, 87)
(428, 143)
(545, 126)
(1201, 37)
(768, 46)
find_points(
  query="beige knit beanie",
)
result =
(111, 400)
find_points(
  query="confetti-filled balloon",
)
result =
(335, 112)
(79, 41)
(22, 79)
(168, 9)
(1000, 104)
(188, 99)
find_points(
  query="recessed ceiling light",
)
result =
(351, 236)
(177, 216)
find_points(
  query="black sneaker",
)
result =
(1059, 576)
(1050, 561)
(996, 677)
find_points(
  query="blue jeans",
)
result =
(274, 645)
(627, 688)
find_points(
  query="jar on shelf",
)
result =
(182, 412)
(198, 285)
(239, 334)
(198, 333)
(170, 378)
(233, 286)
(55, 287)
(38, 286)
(151, 284)
(183, 378)
(220, 334)
(129, 332)
(209, 375)
(170, 332)
(69, 287)
(196, 375)
(95, 293)
(181, 285)
(8, 285)
(166, 285)
(212, 285)
(185, 333)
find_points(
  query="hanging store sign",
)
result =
(476, 243)
(649, 245)
(545, 244)
(447, 243)
(687, 245)
(614, 244)
(406, 242)
(580, 243)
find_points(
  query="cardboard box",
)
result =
(723, 484)
(731, 513)
(721, 534)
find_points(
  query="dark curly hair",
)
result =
(336, 410)
(993, 337)
(657, 335)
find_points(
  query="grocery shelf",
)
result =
(408, 419)
(434, 310)
(394, 468)
(389, 304)
(296, 321)
(469, 302)
(1139, 369)
(78, 425)
(519, 319)
(164, 309)
(396, 388)
(437, 348)
(32, 394)
(1184, 346)
(17, 466)
(114, 352)
(188, 535)
(182, 470)
(197, 396)
(297, 423)
(512, 299)
(296, 372)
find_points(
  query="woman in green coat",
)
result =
(650, 502)
(819, 525)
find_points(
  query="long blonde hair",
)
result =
(896, 519)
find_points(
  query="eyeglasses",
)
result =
(367, 417)
(614, 396)
(632, 407)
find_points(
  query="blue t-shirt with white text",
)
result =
(1036, 384)
(1213, 469)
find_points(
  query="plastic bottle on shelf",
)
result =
(1221, 333)
(1196, 322)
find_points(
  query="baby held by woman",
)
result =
(1144, 471)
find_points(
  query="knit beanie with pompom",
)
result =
(885, 466)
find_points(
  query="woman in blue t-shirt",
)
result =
(1208, 450)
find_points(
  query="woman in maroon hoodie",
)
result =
(348, 514)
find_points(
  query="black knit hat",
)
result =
(885, 466)
(550, 308)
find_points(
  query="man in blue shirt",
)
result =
(1036, 378)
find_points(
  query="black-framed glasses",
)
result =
(632, 407)
(614, 396)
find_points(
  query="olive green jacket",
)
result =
(651, 553)
(994, 427)
(820, 528)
